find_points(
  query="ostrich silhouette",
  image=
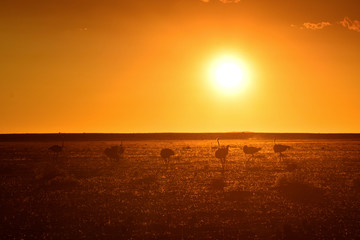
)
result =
(279, 148)
(56, 149)
(221, 153)
(121, 149)
(250, 151)
(166, 153)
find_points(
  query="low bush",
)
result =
(295, 187)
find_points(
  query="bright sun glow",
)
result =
(229, 75)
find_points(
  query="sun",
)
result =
(229, 74)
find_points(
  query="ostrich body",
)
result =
(56, 149)
(250, 150)
(114, 152)
(166, 153)
(221, 153)
(279, 148)
(121, 149)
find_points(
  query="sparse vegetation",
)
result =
(295, 187)
(311, 194)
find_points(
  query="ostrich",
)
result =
(166, 153)
(221, 153)
(250, 150)
(56, 149)
(121, 148)
(279, 148)
(114, 152)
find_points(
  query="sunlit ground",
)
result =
(312, 193)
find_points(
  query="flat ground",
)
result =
(312, 193)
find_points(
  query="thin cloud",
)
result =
(312, 26)
(316, 26)
(353, 25)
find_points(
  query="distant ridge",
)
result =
(172, 136)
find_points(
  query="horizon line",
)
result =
(220, 132)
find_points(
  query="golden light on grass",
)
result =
(229, 75)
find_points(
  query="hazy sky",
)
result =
(143, 66)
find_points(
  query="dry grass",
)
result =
(311, 193)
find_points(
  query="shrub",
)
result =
(295, 187)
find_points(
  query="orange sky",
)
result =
(142, 66)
